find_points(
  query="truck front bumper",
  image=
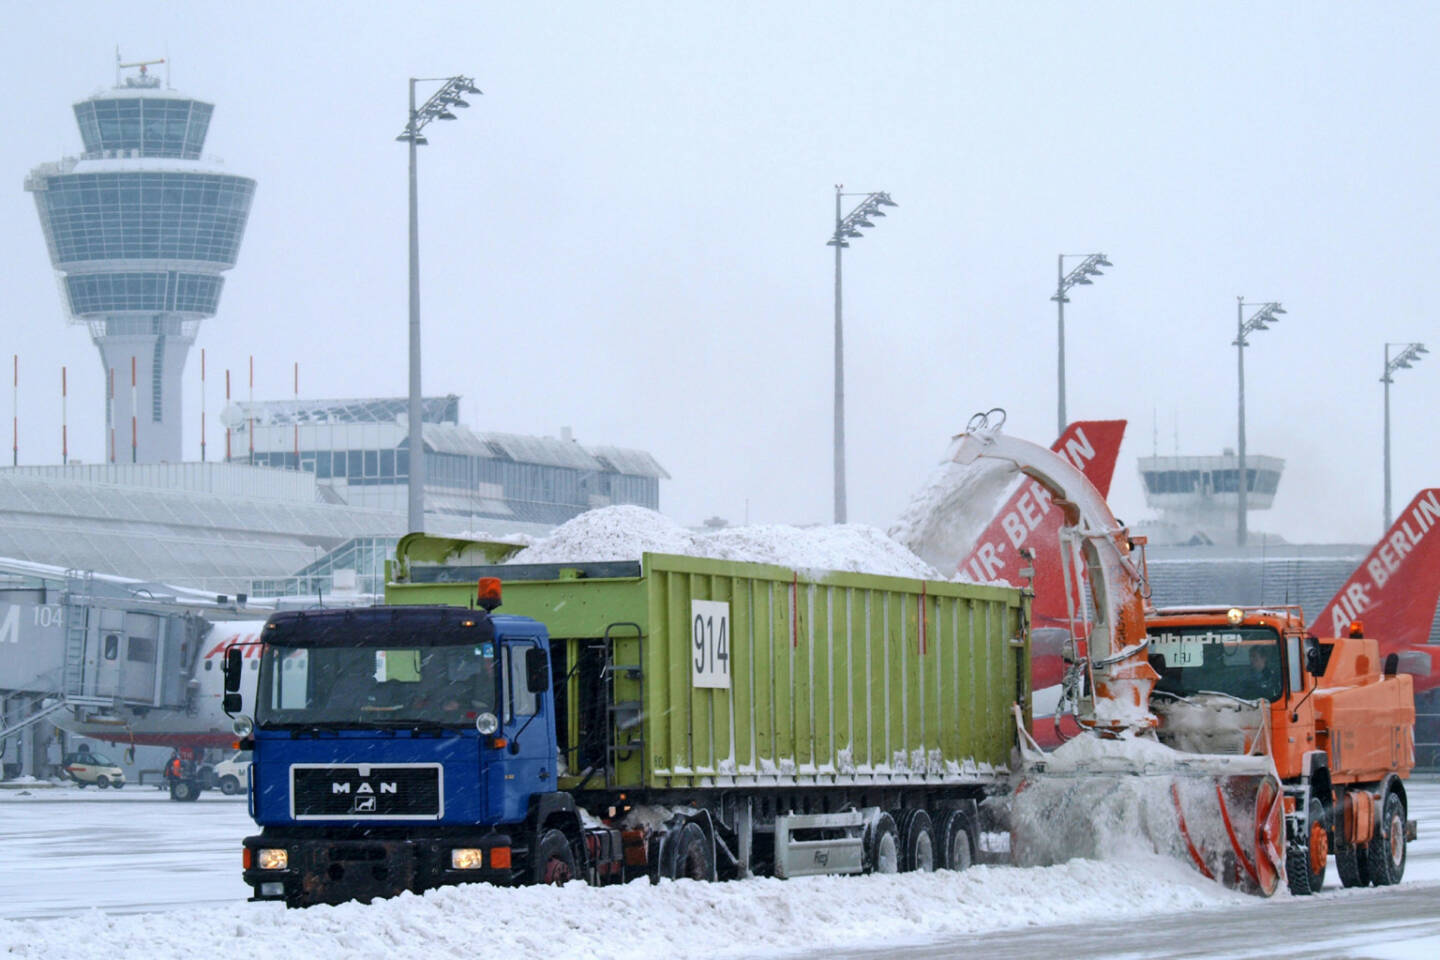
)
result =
(336, 868)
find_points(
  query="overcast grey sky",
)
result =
(625, 234)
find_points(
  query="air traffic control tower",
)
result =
(141, 229)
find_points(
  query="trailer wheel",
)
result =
(183, 790)
(1305, 860)
(686, 854)
(1386, 853)
(917, 842)
(554, 861)
(954, 838)
(882, 847)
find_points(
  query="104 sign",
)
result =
(710, 644)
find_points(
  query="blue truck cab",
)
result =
(402, 748)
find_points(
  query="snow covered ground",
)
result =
(151, 878)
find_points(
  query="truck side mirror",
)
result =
(231, 704)
(234, 669)
(537, 671)
(1314, 661)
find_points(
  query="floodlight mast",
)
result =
(846, 228)
(1269, 312)
(1409, 355)
(436, 108)
(1089, 267)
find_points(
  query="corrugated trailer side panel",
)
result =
(831, 677)
(849, 678)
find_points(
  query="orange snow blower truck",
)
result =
(1337, 721)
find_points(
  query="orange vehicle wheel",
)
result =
(1269, 837)
(1305, 865)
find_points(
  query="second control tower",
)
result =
(141, 230)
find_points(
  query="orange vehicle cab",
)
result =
(1337, 721)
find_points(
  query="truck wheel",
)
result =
(102, 782)
(686, 854)
(954, 839)
(1386, 854)
(1305, 860)
(182, 790)
(917, 842)
(1351, 863)
(882, 846)
(229, 785)
(554, 861)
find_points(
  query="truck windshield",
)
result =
(365, 686)
(1241, 661)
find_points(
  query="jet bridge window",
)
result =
(140, 650)
(112, 646)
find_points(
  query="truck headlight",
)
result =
(487, 723)
(272, 859)
(465, 858)
(243, 726)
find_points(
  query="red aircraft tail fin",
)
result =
(1028, 521)
(1394, 590)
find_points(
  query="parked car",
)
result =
(86, 767)
(232, 775)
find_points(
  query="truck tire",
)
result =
(687, 854)
(917, 842)
(1385, 855)
(954, 840)
(554, 861)
(882, 846)
(1305, 859)
(1352, 864)
(229, 785)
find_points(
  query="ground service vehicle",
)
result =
(1337, 721)
(1114, 783)
(232, 775)
(671, 717)
(86, 767)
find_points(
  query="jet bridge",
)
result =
(97, 645)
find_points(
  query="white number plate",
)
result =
(1179, 651)
(710, 644)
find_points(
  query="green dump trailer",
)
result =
(802, 721)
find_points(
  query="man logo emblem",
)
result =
(363, 805)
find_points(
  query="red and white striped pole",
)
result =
(134, 420)
(64, 419)
(202, 404)
(227, 423)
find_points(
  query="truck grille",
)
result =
(404, 791)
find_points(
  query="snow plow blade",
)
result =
(1223, 815)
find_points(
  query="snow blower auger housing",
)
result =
(1116, 787)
